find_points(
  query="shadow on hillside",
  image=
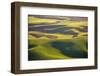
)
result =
(69, 49)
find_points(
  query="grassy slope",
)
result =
(41, 50)
(63, 47)
(34, 20)
(57, 49)
(79, 24)
(59, 36)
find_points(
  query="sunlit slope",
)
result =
(72, 28)
(68, 23)
(34, 20)
(48, 36)
(40, 49)
(52, 37)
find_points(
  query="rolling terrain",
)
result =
(57, 37)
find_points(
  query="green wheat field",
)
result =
(57, 37)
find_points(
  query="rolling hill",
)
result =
(57, 37)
